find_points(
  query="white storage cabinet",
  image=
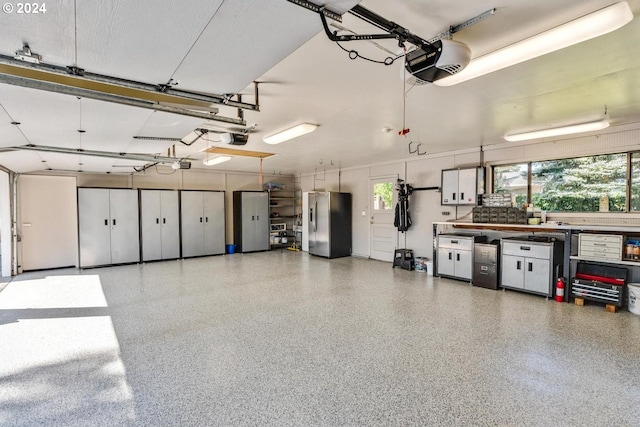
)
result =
(203, 223)
(160, 222)
(455, 255)
(108, 226)
(530, 266)
(251, 220)
(462, 186)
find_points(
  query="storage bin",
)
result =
(634, 297)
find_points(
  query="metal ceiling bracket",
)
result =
(454, 29)
(318, 9)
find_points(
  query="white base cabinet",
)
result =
(108, 226)
(455, 255)
(530, 266)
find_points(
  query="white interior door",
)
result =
(382, 202)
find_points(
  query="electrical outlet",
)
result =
(446, 213)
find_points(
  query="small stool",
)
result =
(403, 258)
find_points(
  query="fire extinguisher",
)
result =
(560, 289)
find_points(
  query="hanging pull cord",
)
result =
(404, 130)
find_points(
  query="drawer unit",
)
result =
(455, 242)
(454, 256)
(600, 246)
(526, 249)
(486, 266)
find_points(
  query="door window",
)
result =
(383, 196)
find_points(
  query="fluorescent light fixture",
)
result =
(557, 131)
(291, 133)
(595, 24)
(216, 160)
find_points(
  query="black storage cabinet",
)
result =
(486, 265)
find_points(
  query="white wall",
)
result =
(47, 222)
(425, 171)
(419, 171)
(167, 178)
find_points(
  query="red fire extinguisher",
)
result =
(560, 289)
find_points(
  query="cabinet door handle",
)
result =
(253, 217)
(206, 219)
(457, 257)
(454, 196)
(450, 255)
(114, 222)
(164, 220)
(525, 248)
(530, 267)
(257, 217)
(157, 220)
(200, 219)
(454, 242)
(518, 265)
(461, 196)
(106, 222)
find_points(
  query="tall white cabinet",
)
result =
(203, 223)
(108, 226)
(251, 220)
(160, 222)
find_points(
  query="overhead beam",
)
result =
(74, 81)
(93, 153)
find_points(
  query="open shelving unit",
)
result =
(284, 216)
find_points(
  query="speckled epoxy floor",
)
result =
(284, 338)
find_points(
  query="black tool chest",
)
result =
(601, 283)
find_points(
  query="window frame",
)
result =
(628, 177)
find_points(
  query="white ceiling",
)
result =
(223, 46)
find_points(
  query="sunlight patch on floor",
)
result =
(59, 325)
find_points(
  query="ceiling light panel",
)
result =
(294, 132)
(558, 131)
(579, 30)
(212, 161)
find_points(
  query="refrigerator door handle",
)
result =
(315, 224)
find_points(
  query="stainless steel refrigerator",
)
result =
(329, 224)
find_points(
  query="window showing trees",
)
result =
(383, 196)
(512, 179)
(635, 182)
(581, 184)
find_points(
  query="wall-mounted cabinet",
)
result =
(108, 226)
(160, 224)
(203, 223)
(462, 186)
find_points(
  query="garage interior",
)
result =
(184, 97)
